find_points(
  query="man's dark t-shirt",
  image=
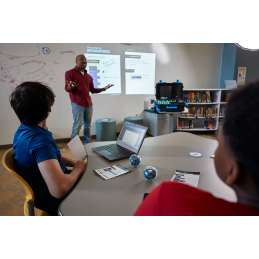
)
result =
(32, 145)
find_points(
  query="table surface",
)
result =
(122, 195)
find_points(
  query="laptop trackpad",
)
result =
(107, 154)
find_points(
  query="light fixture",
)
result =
(248, 46)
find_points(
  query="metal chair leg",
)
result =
(30, 208)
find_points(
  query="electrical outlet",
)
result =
(128, 115)
(136, 115)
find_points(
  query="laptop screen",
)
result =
(132, 136)
(230, 84)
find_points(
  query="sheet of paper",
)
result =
(77, 148)
(191, 178)
(111, 171)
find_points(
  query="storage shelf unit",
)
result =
(197, 129)
(214, 117)
(218, 95)
(158, 124)
(201, 103)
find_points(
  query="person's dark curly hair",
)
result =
(241, 128)
(31, 102)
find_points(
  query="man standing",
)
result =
(79, 83)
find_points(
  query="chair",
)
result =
(8, 162)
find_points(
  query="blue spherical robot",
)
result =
(135, 160)
(150, 173)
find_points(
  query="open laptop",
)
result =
(231, 84)
(128, 143)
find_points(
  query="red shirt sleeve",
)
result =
(175, 199)
(68, 77)
(94, 90)
(150, 206)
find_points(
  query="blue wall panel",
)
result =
(227, 63)
(250, 60)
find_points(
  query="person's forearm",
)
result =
(96, 91)
(68, 78)
(68, 161)
(68, 89)
(70, 181)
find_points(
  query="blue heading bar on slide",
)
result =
(99, 51)
(134, 128)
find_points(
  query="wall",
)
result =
(250, 60)
(196, 65)
(228, 63)
(234, 57)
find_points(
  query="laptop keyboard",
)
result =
(118, 151)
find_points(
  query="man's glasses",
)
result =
(81, 59)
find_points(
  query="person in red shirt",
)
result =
(236, 162)
(79, 83)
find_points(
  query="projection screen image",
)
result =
(105, 69)
(140, 72)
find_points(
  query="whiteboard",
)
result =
(196, 65)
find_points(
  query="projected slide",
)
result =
(105, 69)
(140, 72)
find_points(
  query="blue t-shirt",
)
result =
(32, 145)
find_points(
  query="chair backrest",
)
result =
(8, 162)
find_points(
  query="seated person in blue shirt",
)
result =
(37, 157)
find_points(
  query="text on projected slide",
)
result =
(105, 69)
(140, 72)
